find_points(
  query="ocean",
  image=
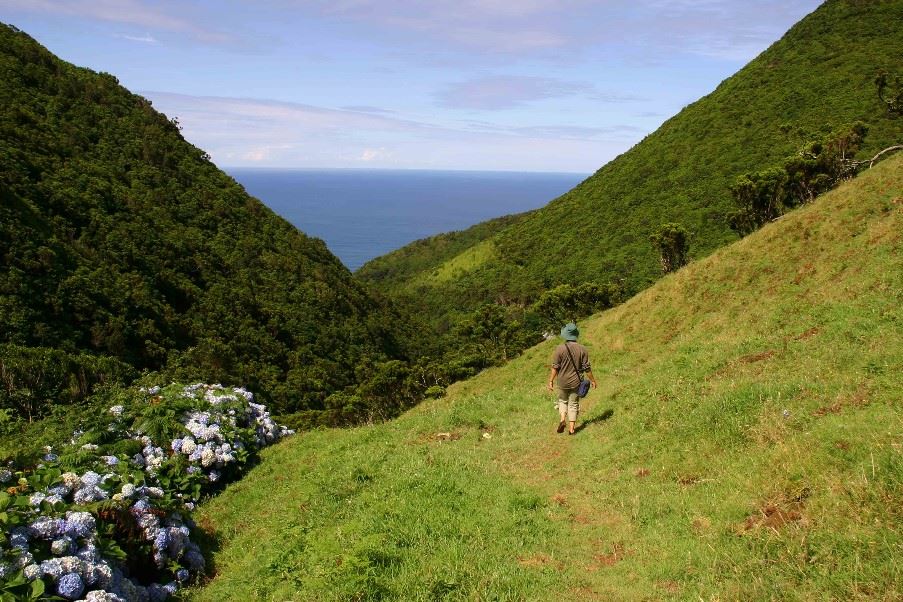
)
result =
(362, 214)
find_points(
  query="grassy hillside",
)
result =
(745, 444)
(818, 77)
(120, 240)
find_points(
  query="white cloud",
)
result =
(375, 154)
(246, 132)
(732, 29)
(146, 38)
(159, 16)
(507, 91)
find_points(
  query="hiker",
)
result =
(568, 361)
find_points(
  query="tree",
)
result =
(671, 241)
(893, 100)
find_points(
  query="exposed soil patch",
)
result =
(701, 525)
(803, 272)
(857, 400)
(608, 559)
(642, 473)
(540, 561)
(757, 357)
(807, 335)
(773, 516)
(688, 479)
(670, 586)
(560, 500)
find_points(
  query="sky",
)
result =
(512, 85)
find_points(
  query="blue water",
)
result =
(362, 214)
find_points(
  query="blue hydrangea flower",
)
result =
(47, 528)
(80, 524)
(90, 479)
(18, 538)
(70, 586)
(52, 568)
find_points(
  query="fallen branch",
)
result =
(887, 150)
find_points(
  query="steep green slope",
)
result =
(819, 75)
(118, 238)
(744, 444)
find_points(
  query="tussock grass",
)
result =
(745, 444)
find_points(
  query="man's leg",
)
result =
(573, 407)
(562, 412)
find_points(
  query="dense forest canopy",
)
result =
(119, 239)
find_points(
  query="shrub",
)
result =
(110, 513)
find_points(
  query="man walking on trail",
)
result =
(569, 360)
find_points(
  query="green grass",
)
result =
(453, 268)
(745, 444)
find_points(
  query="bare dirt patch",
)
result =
(773, 516)
(642, 473)
(560, 500)
(670, 586)
(688, 479)
(757, 357)
(808, 334)
(607, 559)
(857, 399)
(540, 561)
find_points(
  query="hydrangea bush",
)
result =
(107, 518)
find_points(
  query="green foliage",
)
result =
(893, 98)
(567, 303)
(33, 379)
(819, 166)
(672, 243)
(118, 239)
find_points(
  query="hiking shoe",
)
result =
(560, 427)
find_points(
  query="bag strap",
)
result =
(579, 371)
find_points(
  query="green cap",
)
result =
(570, 332)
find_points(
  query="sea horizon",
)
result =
(363, 213)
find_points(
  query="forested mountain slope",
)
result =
(817, 78)
(744, 444)
(118, 239)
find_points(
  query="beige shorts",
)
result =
(569, 402)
